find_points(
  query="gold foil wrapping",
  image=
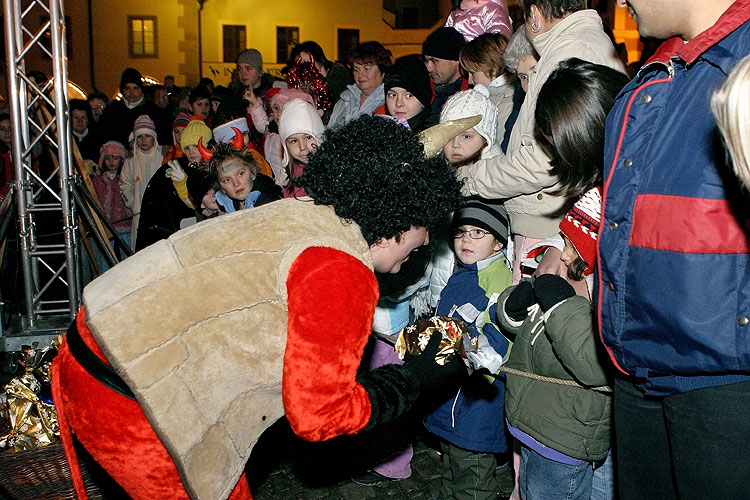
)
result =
(29, 422)
(413, 339)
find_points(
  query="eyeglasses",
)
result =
(97, 107)
(474, 234)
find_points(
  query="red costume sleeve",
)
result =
(331, 301)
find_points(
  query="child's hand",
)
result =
(251, 98)
(550, 290)
(519, 300)
(175, 171)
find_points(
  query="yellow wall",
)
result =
(177, 35)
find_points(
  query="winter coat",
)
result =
(560, 343)
(522, 175)
(347, 108)
(108, 191)
(674, 289)
(134, 177)
(490, 17)
(472, 417)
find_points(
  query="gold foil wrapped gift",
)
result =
(32, 422)
(413, 339)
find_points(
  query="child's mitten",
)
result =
(550, 289)
(519, 300)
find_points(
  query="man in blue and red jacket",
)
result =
(674, 268)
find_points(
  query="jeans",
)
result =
(603, 484)
(544, 479)
(694, 445)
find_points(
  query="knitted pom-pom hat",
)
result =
(581, 226)
(299, 117)
(144, 125)
(475, 102)
(486, 214)
(196, 129)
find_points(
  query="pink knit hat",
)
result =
(112, 148)
(286, 95)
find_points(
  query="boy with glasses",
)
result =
(470, 421)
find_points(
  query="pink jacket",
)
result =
(481, 16)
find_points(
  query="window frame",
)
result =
(131, 34)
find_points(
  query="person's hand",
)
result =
(425, 370)
(519, 300)
(175, 171)
(251, 98)
(484, 356)
(551, 263)
(551, 290)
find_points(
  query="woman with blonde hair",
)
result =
(731, 108)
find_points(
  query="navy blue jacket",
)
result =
(674, 267)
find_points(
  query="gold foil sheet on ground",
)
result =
(414, 338)
(27, 421)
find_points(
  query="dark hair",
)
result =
(374, 172)
(81, 105)
(577, 269)
(571, 110)
(553, 9)
(315, 50)
(206, 82)
(97, 95)
(372, 53)
(198, 93)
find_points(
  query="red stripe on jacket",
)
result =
(687, 225)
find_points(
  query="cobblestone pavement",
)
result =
(285, 468)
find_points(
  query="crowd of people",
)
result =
(600, 254)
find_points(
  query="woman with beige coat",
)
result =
(558, 30)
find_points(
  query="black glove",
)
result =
(427, 373)
(550, 289)
(392, 389)
(518, 300)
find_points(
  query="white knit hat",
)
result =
(475, 102)
(299, 117)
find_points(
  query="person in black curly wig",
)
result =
(373, 171)
(290, 302)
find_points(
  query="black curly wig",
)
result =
(373, 171)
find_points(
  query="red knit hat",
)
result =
(581, 226)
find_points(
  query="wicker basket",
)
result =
(43, 473)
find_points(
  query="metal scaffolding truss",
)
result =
(39, 117)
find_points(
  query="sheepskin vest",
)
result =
(196, 326)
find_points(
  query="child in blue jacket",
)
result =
(470, 423)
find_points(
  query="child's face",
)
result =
(112, 163)
(202, 107)
(402, 103)
(300, 146)
(237, 179)
(469, 250)
(177, 134)
(465, 146)
(276, 111)
(192, 154)
(209, 200)
(569, 253)
(5, 135)
(145, 141)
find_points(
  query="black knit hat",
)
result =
(444, 43)
(486, 214)
(410, 74)
(131, 75)
(199, 182)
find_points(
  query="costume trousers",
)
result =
(694, 445)
(115, 431)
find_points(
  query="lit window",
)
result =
(142, 36)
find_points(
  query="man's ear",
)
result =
(382, 243)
